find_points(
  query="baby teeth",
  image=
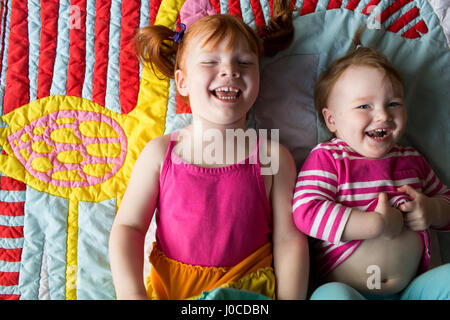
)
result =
(227, 98)
(377, 133)
(226, 89)
(226, 93)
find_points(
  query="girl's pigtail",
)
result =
(357, 38)
(279, 33)
(155, 47)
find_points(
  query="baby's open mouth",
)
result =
(227, 93)
(378, 133)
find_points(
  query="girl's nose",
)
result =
(229, 70)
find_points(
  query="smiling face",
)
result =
(221, 81)
(365, 111)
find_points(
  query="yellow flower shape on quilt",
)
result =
(74, 148)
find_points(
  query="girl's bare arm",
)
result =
(126, 244)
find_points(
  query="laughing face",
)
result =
(365, 111)
(222, 83)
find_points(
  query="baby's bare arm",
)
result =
(385, 221)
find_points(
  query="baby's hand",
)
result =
(393, 218)
(419, 211)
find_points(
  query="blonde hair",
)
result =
(155, 46)
(360, 56)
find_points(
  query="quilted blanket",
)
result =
(77, 109)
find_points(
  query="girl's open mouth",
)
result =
(228, 94)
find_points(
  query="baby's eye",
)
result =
(394, 104)
(364, 106)
(246, 63)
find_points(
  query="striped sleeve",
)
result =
(314, 208)
(433, 187)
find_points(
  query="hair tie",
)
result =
(359, 46)
(179, 34)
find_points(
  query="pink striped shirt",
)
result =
(334, 179)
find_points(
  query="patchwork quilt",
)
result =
(77, 109)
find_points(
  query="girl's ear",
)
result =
(180, 82)
(328, 115)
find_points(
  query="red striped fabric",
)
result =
(413, 32)
(154, 7)
(216, 5)
(128, 63)
(397, 5)
(368, 9)
(77, 51)
(102, 16)
(271, 8)
(292, 4)
(3, 14)
(309, 6)
(17, 86)
(16, 95)
(421, 27)
(10, 232)
(182, 107)
(352, 4)
(9, 278)
(334, 4)
(234, 8)
(12, 209)
(49, 31)
(10, 184)
(258, 14)
(10, 255)
(9, 297)
(404, 20)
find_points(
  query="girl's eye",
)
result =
(208, 62)
(364, 106)
(246, 63)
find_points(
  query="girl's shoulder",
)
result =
(275, 156)
(159, 144)
(155, 150)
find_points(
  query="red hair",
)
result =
(155, 46)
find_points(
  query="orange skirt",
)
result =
(173, 280)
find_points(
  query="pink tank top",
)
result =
(213, 217)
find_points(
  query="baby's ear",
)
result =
(180, 82)
(328, 116)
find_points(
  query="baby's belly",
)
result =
(382, 266)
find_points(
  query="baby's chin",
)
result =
(374, 152)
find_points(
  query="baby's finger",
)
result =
(416, 225)
(413, 193)
(383, 199)
(407, 206)
(410, 217)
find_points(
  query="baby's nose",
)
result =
(383, 114)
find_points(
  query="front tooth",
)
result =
(225, 89)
